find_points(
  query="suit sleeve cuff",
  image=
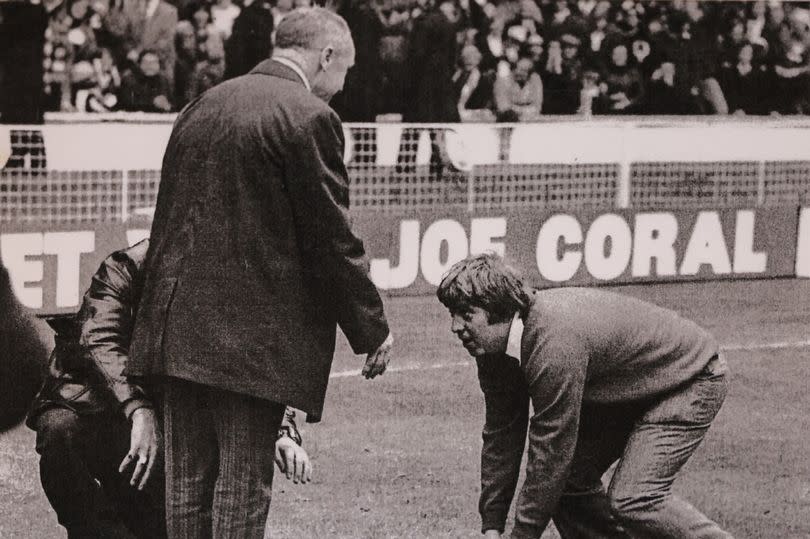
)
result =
(493, 521)
(131, 405)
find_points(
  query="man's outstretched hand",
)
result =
(145, 447)
(377, 361)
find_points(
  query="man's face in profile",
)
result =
(477, 334)
(333, 74)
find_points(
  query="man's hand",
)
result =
(377, 361)
(492, 534)
(144, 447)
(293, 460)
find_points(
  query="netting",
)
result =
(414, 169)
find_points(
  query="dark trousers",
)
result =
(79, 459)
(651, 443)
(220, 449)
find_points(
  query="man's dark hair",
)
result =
(486, 282)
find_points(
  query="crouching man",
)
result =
(609, 378)
(98, 434)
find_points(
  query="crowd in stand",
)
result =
(448, 60)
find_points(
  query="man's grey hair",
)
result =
(313, 28)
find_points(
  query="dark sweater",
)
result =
(578, 346)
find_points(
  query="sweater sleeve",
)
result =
(556, 379)
(504, 437)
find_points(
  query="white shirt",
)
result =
(515, 337)
(292, 65)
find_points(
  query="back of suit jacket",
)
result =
(252, 261)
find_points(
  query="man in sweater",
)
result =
(610, 378)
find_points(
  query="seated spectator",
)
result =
(743, 83)
(223, 13)
(145, 88)
(519, 95)
(209, 71)
(473, 89)
(623, 86)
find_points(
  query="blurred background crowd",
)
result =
(447, 60)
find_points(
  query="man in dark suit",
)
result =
(252, 265)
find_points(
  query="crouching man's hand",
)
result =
(293, 460)
(145, 447)
(492, 534)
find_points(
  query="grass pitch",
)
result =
(398, 456)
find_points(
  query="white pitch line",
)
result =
(765, 346)
(725, 348)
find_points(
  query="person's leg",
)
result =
(67, 444)
(584, 511)
(191, 460)
(662, 441)
(247, 429)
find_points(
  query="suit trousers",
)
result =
(651, 442)
(220, 449)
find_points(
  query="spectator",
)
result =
(279, 11)
(186, 46)
(251, 39)
(519, 95)
(432, 64)
(534, 49)
(141, 25)
(393, 52)
(204, 29)
(472, 88)
(209, 71)
(359, 100)
(743, 83)
(223, 14)
(490, 41)
(145, 88)
(755, 24)
(664, 95)
(95, 84)
(562, 76)
(624, 89)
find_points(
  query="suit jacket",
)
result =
(252, 260)
(578, 347)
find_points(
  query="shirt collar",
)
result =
(515, 337)
(295, 67)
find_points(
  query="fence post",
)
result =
(471, 190)
(623, 189)
(124, 196)
(761, 183)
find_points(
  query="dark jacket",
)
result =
(252, 261)
(251, 39)
(432, 60)
(579, 346)
(85, 368)
(92, 347)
